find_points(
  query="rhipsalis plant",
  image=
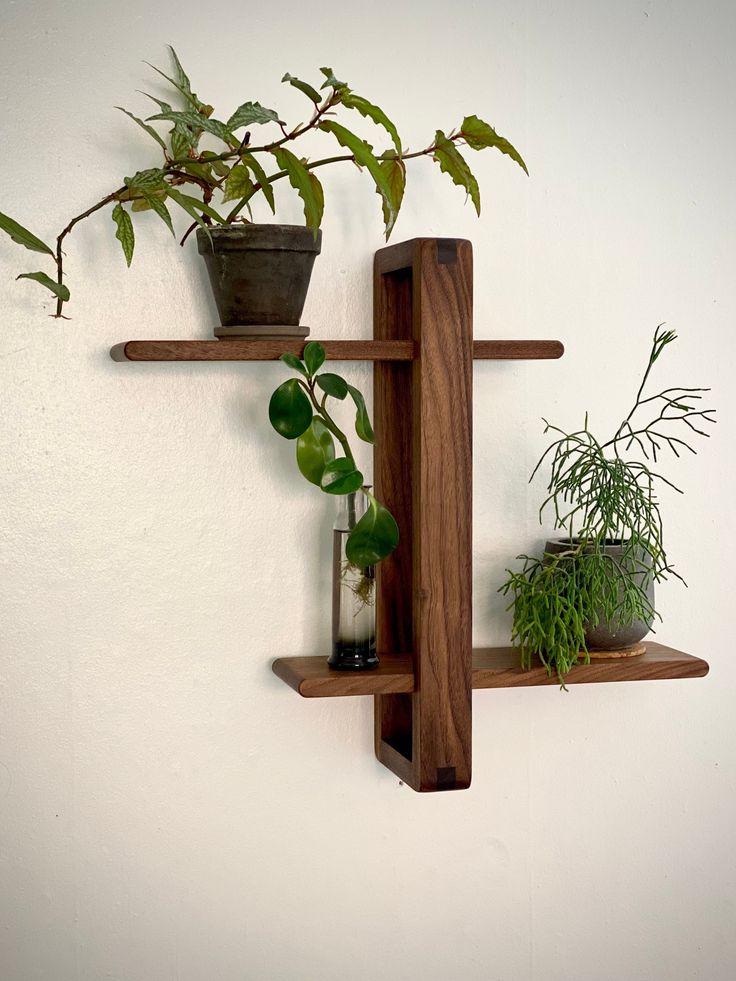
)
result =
(237, 166)
(603, 492)
(298, 410)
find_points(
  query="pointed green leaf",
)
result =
(182, 84)
(196, 122)
(191, 205)
(156, 203)
(219, 166)
(362, 420)
(185, 202)
(395, 170)
(363, 153)
(251, 112)
(306, 184)
(293, 362)
(183, 140)
(452, 162)
(238, 185)
(314, 357)
(151, 180)
(315, 448)
(22, 236)
(149, 129)
(367, 109)
(341, 477)
(479, 135)
(182, 79)
(305, 87)
(261, 178)
(374, 537)
(59, 290)
(124, 234)
(333, 385)
(331, 80)
(289, 410)
(163, 106)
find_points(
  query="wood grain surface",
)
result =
(423, 473)
(403, 350)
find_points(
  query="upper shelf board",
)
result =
(232, 350)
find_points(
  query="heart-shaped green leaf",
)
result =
(289, 410)
(293, 362)
(374, 537)
(341, 477)
(315, 448)
(362, 420)
(314, 356)
(334, 385)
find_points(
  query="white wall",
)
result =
(168, 808)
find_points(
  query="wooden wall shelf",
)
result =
(493, 667)
(386, 350)
(423, 352)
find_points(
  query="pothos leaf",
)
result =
(374, 537)
(305, 87)
(314, 356)
(315, 448)
(124, 234)
(333, 385)
(341, 477)
(364, 157)
(367, 109)
(58, 289)
(251, 112)
(305, 183)
(362, 420)
(22, 236)
(479, 135)
(289, 410)
(149, 129)
(293, 362)
(452, 162)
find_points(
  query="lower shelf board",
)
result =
(493, 667)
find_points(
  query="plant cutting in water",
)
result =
(298, 410)
(241, 167)
(600, 492)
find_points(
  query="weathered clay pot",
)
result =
(612, 635)
(259, 275)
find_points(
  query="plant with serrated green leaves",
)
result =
(239, 169)
(599, 496)
(298, 411)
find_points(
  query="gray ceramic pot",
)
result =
(259, 273)
(611, 635)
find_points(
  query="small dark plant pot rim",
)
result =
(269, 237)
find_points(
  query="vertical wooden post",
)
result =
(423, 473)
